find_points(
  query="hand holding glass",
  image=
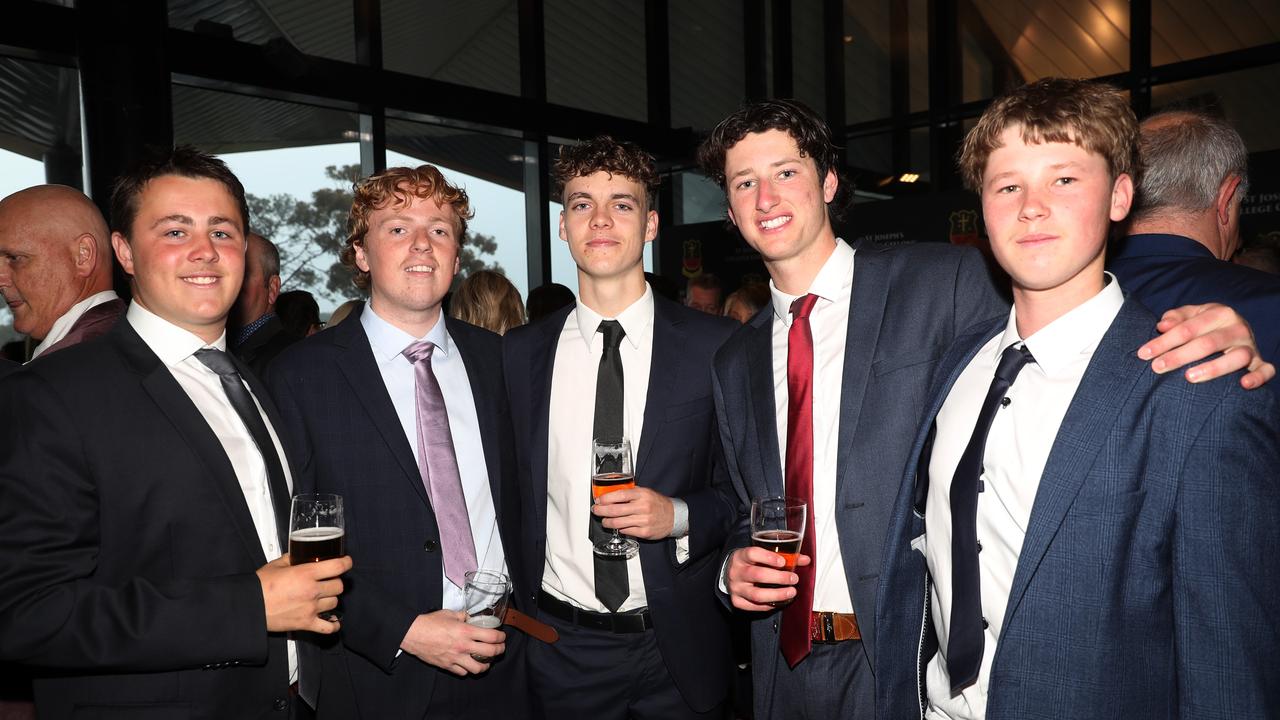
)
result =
(778, 525)
(486, 594)
(611, 471)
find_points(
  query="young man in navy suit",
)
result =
(644, 638)
(1098, 539)
(402, 411)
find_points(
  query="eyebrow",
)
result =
(404, 218)
(186, 220)
(615, 196)
(748, 171)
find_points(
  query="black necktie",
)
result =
(965, 634)
(612, 585)
(238, 394)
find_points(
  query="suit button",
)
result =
(979, 546)
(985, 625)
(430, 545)
(281, 704)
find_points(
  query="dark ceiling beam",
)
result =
(38, 31)
(249, 68)
(373, 120)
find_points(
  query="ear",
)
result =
(362, 262)
(1222, 204)
(124, 253)
(86, 251)
(729, 212)
(457, 264)
(829, 186)
(1121, 197)
(651, 226)
(273, 289)
(563, 235)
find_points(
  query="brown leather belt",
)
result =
(832, 627)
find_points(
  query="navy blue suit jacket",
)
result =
(678, 455)
(1167, 271)
(128, 554)
(908, 304)
(336, 408)
(1147, 585)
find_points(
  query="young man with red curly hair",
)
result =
(402, 412)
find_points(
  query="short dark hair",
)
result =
(183, 161)
(604, 154)
(810, 132)
(268, 256)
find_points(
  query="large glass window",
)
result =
(594, 69)
(476, 43)
(297, 163)
(707, 76)
(1248, 99)
(324, 28)
(491, 169)
(808, 76)
(1188, 29)
(866, 60)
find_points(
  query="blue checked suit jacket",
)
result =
(1148, 585)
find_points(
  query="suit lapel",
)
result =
(1108, 381)
(760, 381)
(668, 350)
(173, 401)
(486, 410)
(542, 357)
(358, 365)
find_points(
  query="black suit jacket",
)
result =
(678, 455)
(264, 345)
(128, 554)
(7, 366)
(337, 409)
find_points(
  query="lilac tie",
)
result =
(439, 466)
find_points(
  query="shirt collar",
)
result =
(833, 282)
(387, 341)
(1057, 345)
(252, 327)
(62, 326)
(636, 320)
(169, 342)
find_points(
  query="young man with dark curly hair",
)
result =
(639, 637)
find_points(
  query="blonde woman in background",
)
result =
(488, 299)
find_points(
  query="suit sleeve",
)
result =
(54, 610)
(713, 509)
(739, 534)
(374, 620)
(1226, 581)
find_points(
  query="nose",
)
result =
(203, 249)
(422, 241)
(766, 196)
(600, 217)
(1033, 207)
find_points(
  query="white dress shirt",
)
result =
(63, 324)
(176, 349)
(388, 343)
(569, 570)
(1018, 445)
(829, 321)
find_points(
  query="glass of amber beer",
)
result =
(777, 525)
(316, 528)
(611, 471)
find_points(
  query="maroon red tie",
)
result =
(799, 472)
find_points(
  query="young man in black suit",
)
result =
(402, 411)
(143, 487)
(643, 638)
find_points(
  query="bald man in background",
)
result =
(55, 267)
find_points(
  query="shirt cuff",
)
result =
(680, 518)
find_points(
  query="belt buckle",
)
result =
(821, 627)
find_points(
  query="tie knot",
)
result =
(613, 333)
(1011, 362)
(217, 361)
(419, 351)
(803, 305)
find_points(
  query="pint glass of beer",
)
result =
(777, 525)
(486, 594)
(316, 528)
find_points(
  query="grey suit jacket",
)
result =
(908, 304)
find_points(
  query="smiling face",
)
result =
(606, 223)
(778, 199)
(1048, 208)
(411, 254)
(185, 252)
